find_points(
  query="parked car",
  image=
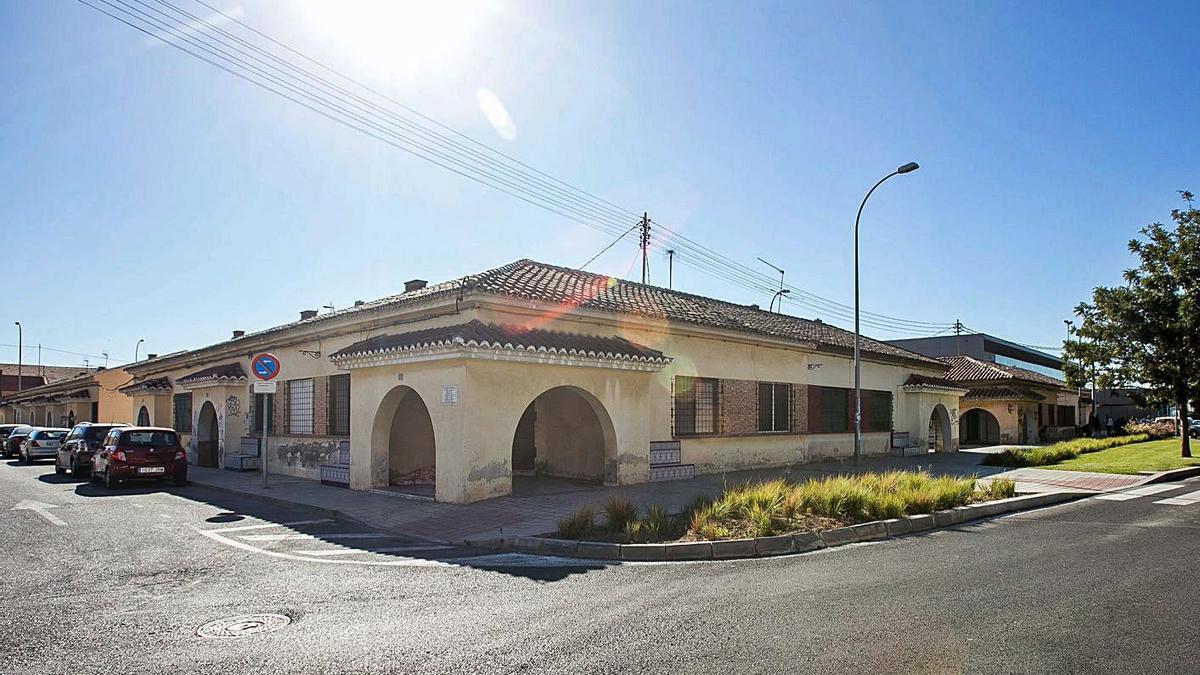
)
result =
(41, 443)
(140, 453)
(12, 442)
(76, 450)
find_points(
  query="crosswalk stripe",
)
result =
(282, 537)
(1117, 496)
(389, 549)
(1147, 490)
(1181, 500)
(263, 526)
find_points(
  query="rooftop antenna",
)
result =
(671, 268)
(329, 306)
(781, 294)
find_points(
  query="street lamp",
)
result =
(135, 348)
(907, 168)
(20, 352)
(778, 294)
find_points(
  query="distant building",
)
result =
(1016, 394)
(91, 396)
(1128, 403)
(31, 375)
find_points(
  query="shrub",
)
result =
(578, 525)
(1000, 488)
(656, 523)
(1152, 429)
(1058, 452)
(618, 513)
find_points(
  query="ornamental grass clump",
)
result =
(618, 513)
(1059, 452)
(578, 525)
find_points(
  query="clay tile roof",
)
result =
(227, 371)
(969, 369)
(475, 333)
(153, 384)
(918, 380)
(1002, 394)
(81, 393)
(571, 288)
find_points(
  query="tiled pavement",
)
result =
(537, 504)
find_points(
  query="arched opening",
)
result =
(404, 429)
(143, 417)
(940, 439)
(49, 418)
(206, 435)
(978, 427)
(563, 433)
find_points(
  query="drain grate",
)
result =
(242, 626)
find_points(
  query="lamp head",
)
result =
(908, 168)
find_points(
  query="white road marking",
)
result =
(386, 549)
(1116, 496)
(1181, 500)
(282, 537)
(40, 508)
(264, 526)
(1147, 490)
(139, 506)
(336, 551)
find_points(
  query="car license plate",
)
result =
(152, 469)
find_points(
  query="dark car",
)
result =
(140, 453)
(12, 442)
(75, 452)
(5, 430)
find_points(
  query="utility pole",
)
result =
(957, 333)
(645, 243)
(780, 294)
(41, 371)
(20, 352)
(671, 268)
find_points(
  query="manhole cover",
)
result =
(241, 626)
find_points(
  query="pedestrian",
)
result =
(1110, 424)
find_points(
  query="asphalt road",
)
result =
(121, 582)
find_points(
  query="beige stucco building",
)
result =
(1007, 404)
(457, 390)
(93, 396)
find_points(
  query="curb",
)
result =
(1172, 475)
(761, 547)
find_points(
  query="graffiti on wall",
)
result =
(233, 405)
(306, 454)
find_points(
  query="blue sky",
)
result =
(149, 195)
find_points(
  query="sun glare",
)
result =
(397, 34)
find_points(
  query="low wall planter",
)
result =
(729, 549)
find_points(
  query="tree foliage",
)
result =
(1147, 332)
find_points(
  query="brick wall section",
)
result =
(320, 406)
(279, 409)
(799, 409)
(738, 407)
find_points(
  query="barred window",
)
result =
(338, 417)
(257, 411)
(879, 411)
(181, 413)
(695, 406)
(774, 407)
(300, 406)
(835, 410)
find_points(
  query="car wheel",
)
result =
(111, 482)
(180, 481)
(58, 470)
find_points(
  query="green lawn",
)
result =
(1149, 456)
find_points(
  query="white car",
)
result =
(42, 443)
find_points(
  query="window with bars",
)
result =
(695, 406)
(338, 397)
(878, 413)
(257, 410)
(181, 413)
(300, 406)
(835, 410)
(774, 407)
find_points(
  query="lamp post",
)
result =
(778, 294)
(135, 348)
(907, 168)
(20, 352)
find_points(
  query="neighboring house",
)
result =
(30, 376)
(88, 397)
(1128, 403)
(536, 370)
(986, 348)
(1007, 404)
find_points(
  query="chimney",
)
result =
(238, 333)
(358, 303)
(306, 314)
(151, 356)
(414, 285)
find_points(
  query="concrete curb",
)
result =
(1172, 475)
(761, 547)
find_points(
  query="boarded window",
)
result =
(834, 410)
(339, 405)
(877, 411)
(181, 413)
(774, 407)
(300, 406)
(695, 406)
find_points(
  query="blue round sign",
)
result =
(266, 366)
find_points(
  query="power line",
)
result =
(261, 67)
(613, 243)
(66, 351)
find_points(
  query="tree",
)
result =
(1147, 331)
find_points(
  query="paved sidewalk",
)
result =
(538, 504)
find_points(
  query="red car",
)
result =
(140, 453)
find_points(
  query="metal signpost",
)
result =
(266, 368)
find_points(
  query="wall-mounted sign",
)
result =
(813, 366)
(449, 394)
(264, 387)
